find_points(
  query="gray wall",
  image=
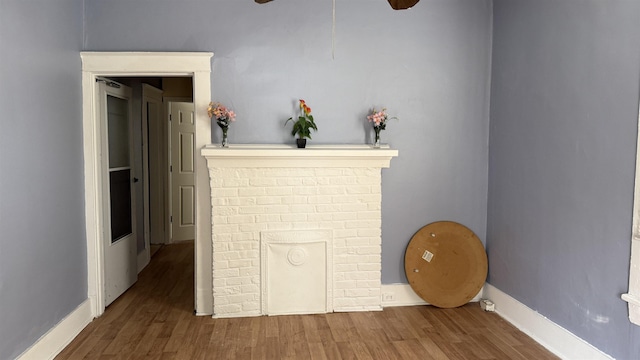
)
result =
(42, 242)
(564, 102)
(429, 66)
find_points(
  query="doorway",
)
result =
(128, 64)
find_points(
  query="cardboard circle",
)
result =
(446, 264)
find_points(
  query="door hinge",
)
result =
(170, 168)
(171, 218)
(169, 117)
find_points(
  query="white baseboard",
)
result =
(552, 336)
(56, 339)
(403, 295)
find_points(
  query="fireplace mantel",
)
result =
(353, 156)
(296, 230)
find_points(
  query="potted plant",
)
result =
(302, 127)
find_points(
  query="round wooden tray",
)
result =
(446, 264)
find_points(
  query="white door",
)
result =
(120, 256)
(182, 119)
(155, 164)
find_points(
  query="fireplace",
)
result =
(296, 231)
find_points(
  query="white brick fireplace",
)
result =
(296, 230)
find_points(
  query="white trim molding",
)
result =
(58, 337)
(272, 156)
(123, 64)
(552, 336)
(403, 295)
(633, 296)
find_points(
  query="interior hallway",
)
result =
(154, 320)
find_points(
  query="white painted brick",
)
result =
(242, 201)
(251, 210)
(278, 191)
(310, 181)
(367, 250)
(243, 236)
(345, 201)
(270, 218)
(363, 224)
(224, 229)
(234, 182)
(293, 181)
(241, 245)
(359, 189)
(344, 180)
(330, 172)
(332, 190)
(280, 226)
(268, 200)
(297, 209)
(373, 300)
(251, 306)
(367, 284)
(250, 289)
(251, 191)
(220, 219)
(226, 211)
(345, 233)
(343, 302)
(344, 216)
(353, 242)
(224, 192)
(356, 275)
(250, 272)
(368, 180)
(220, 246)
(372, 207)
(225, 273)
(241, 263)
(319, 199)
(253, 227)
(294, 217)
(369, 267)
(241, 219)
(277, 209)
(305, 190)
(298, 199)
(263, 182)
(226, 255)
(368, 215)
(320, 217)
(347, 284)
(372, 233)
(227, 309)
(356, 293)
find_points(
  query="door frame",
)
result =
(129, 64)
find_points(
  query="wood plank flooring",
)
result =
(154, 320)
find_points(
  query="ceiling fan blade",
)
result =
(401, 4)
(263, 1)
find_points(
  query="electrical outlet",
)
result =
(388, 297)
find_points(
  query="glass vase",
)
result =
(376, 143)
(225, 143)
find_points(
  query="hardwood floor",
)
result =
(154, 320)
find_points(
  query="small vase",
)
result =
(376, 144)
(225, 143)
(302, 143)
